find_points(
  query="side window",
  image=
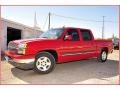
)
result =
(86, 35)
(74, 34)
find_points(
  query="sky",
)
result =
(86, 17)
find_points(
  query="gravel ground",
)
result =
(80, 72)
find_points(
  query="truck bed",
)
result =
(104, 43)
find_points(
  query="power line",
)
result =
(80, 19)
(75, 18)
(111, 21)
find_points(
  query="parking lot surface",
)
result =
(80, 72)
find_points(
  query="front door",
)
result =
(71, 48)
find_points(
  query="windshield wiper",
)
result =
(44, 37)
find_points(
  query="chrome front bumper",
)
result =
(24, 64)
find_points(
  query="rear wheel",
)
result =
(103, 56)
(44, 63)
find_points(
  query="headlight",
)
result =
(21, 48)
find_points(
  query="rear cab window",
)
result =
(86, 35)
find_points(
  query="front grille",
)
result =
(12, 46)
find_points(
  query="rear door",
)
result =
(88, 44)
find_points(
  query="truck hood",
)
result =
(30, 40)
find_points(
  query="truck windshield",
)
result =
(52, 34)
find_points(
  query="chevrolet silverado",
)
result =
(57, 45)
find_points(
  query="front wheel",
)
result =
(44, 63)
(103, 56)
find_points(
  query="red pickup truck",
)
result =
(56, 46)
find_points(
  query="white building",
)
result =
(11, 30)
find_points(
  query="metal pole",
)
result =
(35, 24)
(35, 20)
(103, 28)
(49, 21)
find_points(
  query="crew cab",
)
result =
(57, 45)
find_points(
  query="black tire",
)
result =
(116, 48)
(51, 60)
(5, 58)
(100, 58)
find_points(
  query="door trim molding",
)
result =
(77, 53)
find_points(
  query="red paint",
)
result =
(79, 49)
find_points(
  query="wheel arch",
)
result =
(51, 51)
(105, 48)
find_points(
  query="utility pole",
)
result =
(103, 28)
(35, 24)
(49, 21)
(35, 20)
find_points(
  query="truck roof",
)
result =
(72, 28)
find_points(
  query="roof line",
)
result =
(10, 21)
